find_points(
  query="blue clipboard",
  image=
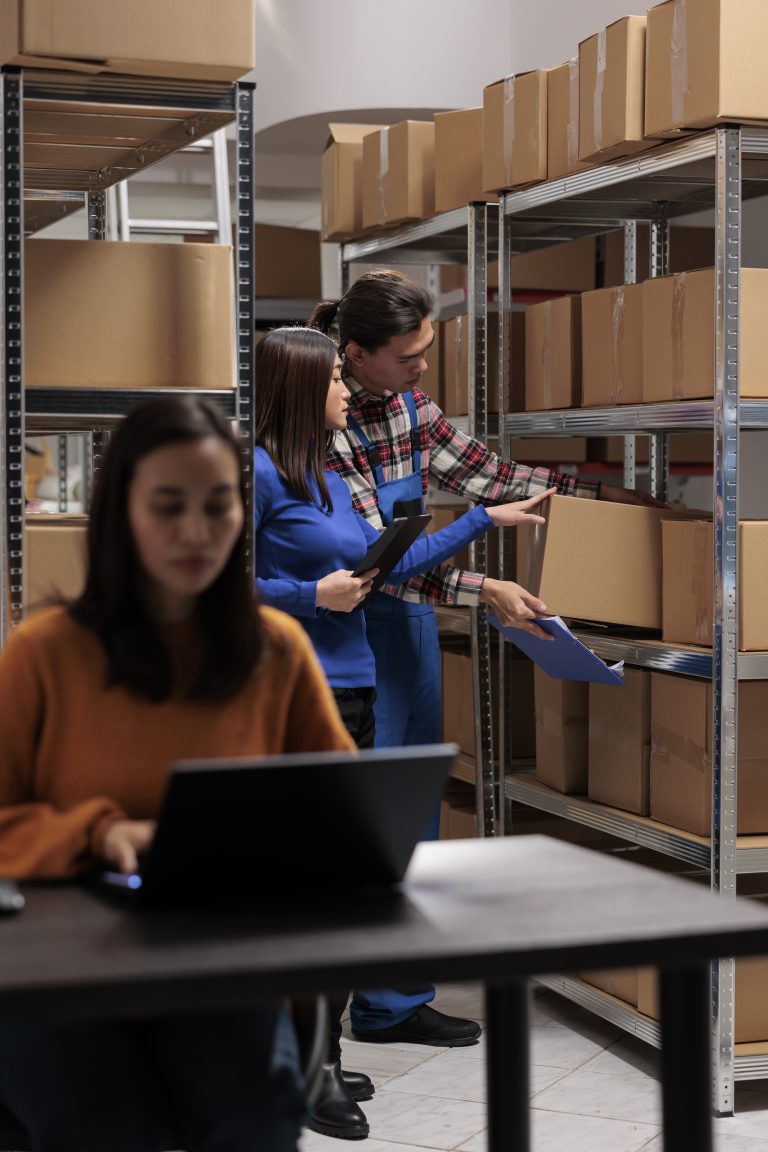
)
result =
(565, 658)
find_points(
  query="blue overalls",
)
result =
(403, 636)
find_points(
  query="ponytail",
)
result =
(324, 316)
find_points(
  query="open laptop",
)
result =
(236, 831)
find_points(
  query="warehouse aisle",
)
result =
(594, 1089)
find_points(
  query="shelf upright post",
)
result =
(12, 390)
(507, 538)
(630, 277)
(725, 599)
(245, 309)
(477, 310)
(658, 442)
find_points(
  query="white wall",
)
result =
(545, 33)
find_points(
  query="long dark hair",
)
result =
(112, 604)
(378, 306)
(293, 370)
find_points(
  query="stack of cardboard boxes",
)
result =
(114, 315)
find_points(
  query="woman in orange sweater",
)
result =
(163, 656)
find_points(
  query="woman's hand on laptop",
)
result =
(123, 842)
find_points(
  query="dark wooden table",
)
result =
(496, 911)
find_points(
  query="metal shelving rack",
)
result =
(463, 236)
(66, 139)
(719, 168)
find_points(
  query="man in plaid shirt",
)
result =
(396, 441)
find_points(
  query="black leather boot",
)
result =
(360, 1086)
(335, 1112)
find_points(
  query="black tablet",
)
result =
(393, 543)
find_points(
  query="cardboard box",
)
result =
(286, 263)
(459, 159)
(679, 335)
(455, 362)
(750, 1024)
(431, 382)
(193, 40)
(620, 743)
(399, 173)
(595, 560)
(553, 354)
(561, 733)
(688, 565)
(459, 711)
(55, 560)
(689, 248)
(515, 131)
(611, 91)
(457, 821)
(705, 64)
(341, 181)
(612, 346)
(549, 451)
(563, 121)
(568, 267)
(619, 982)
(118, 315)
(681, 754)
(684, 448)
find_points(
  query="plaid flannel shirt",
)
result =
(455, 462)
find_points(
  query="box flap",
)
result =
(350, 133)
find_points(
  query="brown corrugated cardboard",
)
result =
(432, 381)
(750, 1025)
(679, 335)
(399, 173)
(681, 754)
(561, 733)
(286, 262)
(119, 315)
(195, 40)
(553, 354)
(459, 711)
(549, 450)
(612, 346)
(459, 159)
(596, 560)
(515, 131)
(619, 982)
(620, 742)
(611, 83)
(341, 181)
(687, 563)
(566, 267)
(689, 248)
(705, 64)
(563, 121)
(455, 359)
(55, 559)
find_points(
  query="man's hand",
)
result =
(629, 496)
(342, 592)
(123, 842)
(513, 606)
(519, 511)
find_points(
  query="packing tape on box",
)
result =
(701, 582)
(599, 87)
(617, 344)
(572, 129)
(678, 317)
(666, 744)
(382, 184)
(508, 127)
(678, 59)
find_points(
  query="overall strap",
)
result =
(371, 450)
(410, 405)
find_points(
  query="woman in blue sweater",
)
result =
(309, 539)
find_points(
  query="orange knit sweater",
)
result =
(75, 755)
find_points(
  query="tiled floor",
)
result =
(593, 1089)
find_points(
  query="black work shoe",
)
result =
(425, 1027)
(360, 1086)
(335, 1112)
